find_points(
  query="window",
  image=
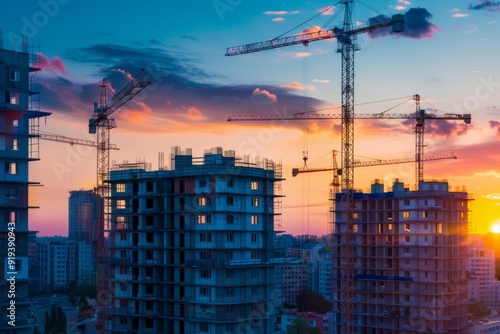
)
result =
(230, 200)
(254, 290)
(205, 237)
(15, 144)
(120, 223)
(203, 291)
(205, 255)
(230, 219)
(203, 327)
(202, 183)
(12, 97)
(202, 201)
(407, 227)
(389, 227)
(150, 237)
(255, 272)
(203, 219)
(255, 201)
(255, 220)
(205, 273)
(406, 250)
(425, 214)
(254, 237)
(123, 287)
(123, 236)
(230, 182)
(254, 255)
(230, 273)
(230, 292)
(15, 75)
(230, 237)
(120, 204)
(149, 186)
(149, 305)
(150, 323)
(407, 238)
(406, 214)
(254, 185)
(11, 217)
(355, 215)
(120, 188)
(11, 168)
(150, 289)
(380, 228)
(11, 192)
(439, 228)
(406, 202)
(150, 203)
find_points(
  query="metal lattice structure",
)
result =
(346, 38)
(101, 124)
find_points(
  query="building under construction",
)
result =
(410, 259)
(192, 247)
(19, 128)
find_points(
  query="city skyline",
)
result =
(449, 60)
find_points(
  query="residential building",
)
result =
(19, 134)
(83, 212)
(409, 256)
(481, 271)
(320, 322)
(292, 277)
(61, 262)
(191, 249)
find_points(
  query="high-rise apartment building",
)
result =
(191, 249)
(61, 262)
(410, 259)
(19, 125)
(83, 212)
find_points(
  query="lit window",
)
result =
(15, 144)
(120, 204)
(389, 227)
(203, 219)
(202, 201)
(15, 122)
(11, 168)
(12, 217)
(255, 201)
(407, 227)
(255, 220)
(406, 214)
(120, 223)
(355, 215)
(120, 188)
(254, 185)
(12, 97)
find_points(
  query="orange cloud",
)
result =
(262, 96)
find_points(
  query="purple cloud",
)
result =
(487, 5)
(417, 25)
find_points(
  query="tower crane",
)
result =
(101, 124)
(296, 171)
(347, 45)
(348, 164)
(72, 141)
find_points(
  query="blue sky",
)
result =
(451, 60)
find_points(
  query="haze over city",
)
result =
(449, 56)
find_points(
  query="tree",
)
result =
(479, 309)
(55, 321)
(299, 326)
(309, 301)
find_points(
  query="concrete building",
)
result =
(19, 129)
(325, 273)
(192, 248)
(83, 210)
(61, 262)
(321, 322)
(481, 271)
(292, 277)
(410, 259)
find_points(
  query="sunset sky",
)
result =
(448, 55)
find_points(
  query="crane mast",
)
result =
(101, 124)
(346, 38)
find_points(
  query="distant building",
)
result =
(61, 262)
(83, 212)
(191, 249)
(292, 276)
(490, 325)
(481, 271)
(325, 273)
(19, 130)
(410, 259)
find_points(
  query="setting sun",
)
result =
(495, 226)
